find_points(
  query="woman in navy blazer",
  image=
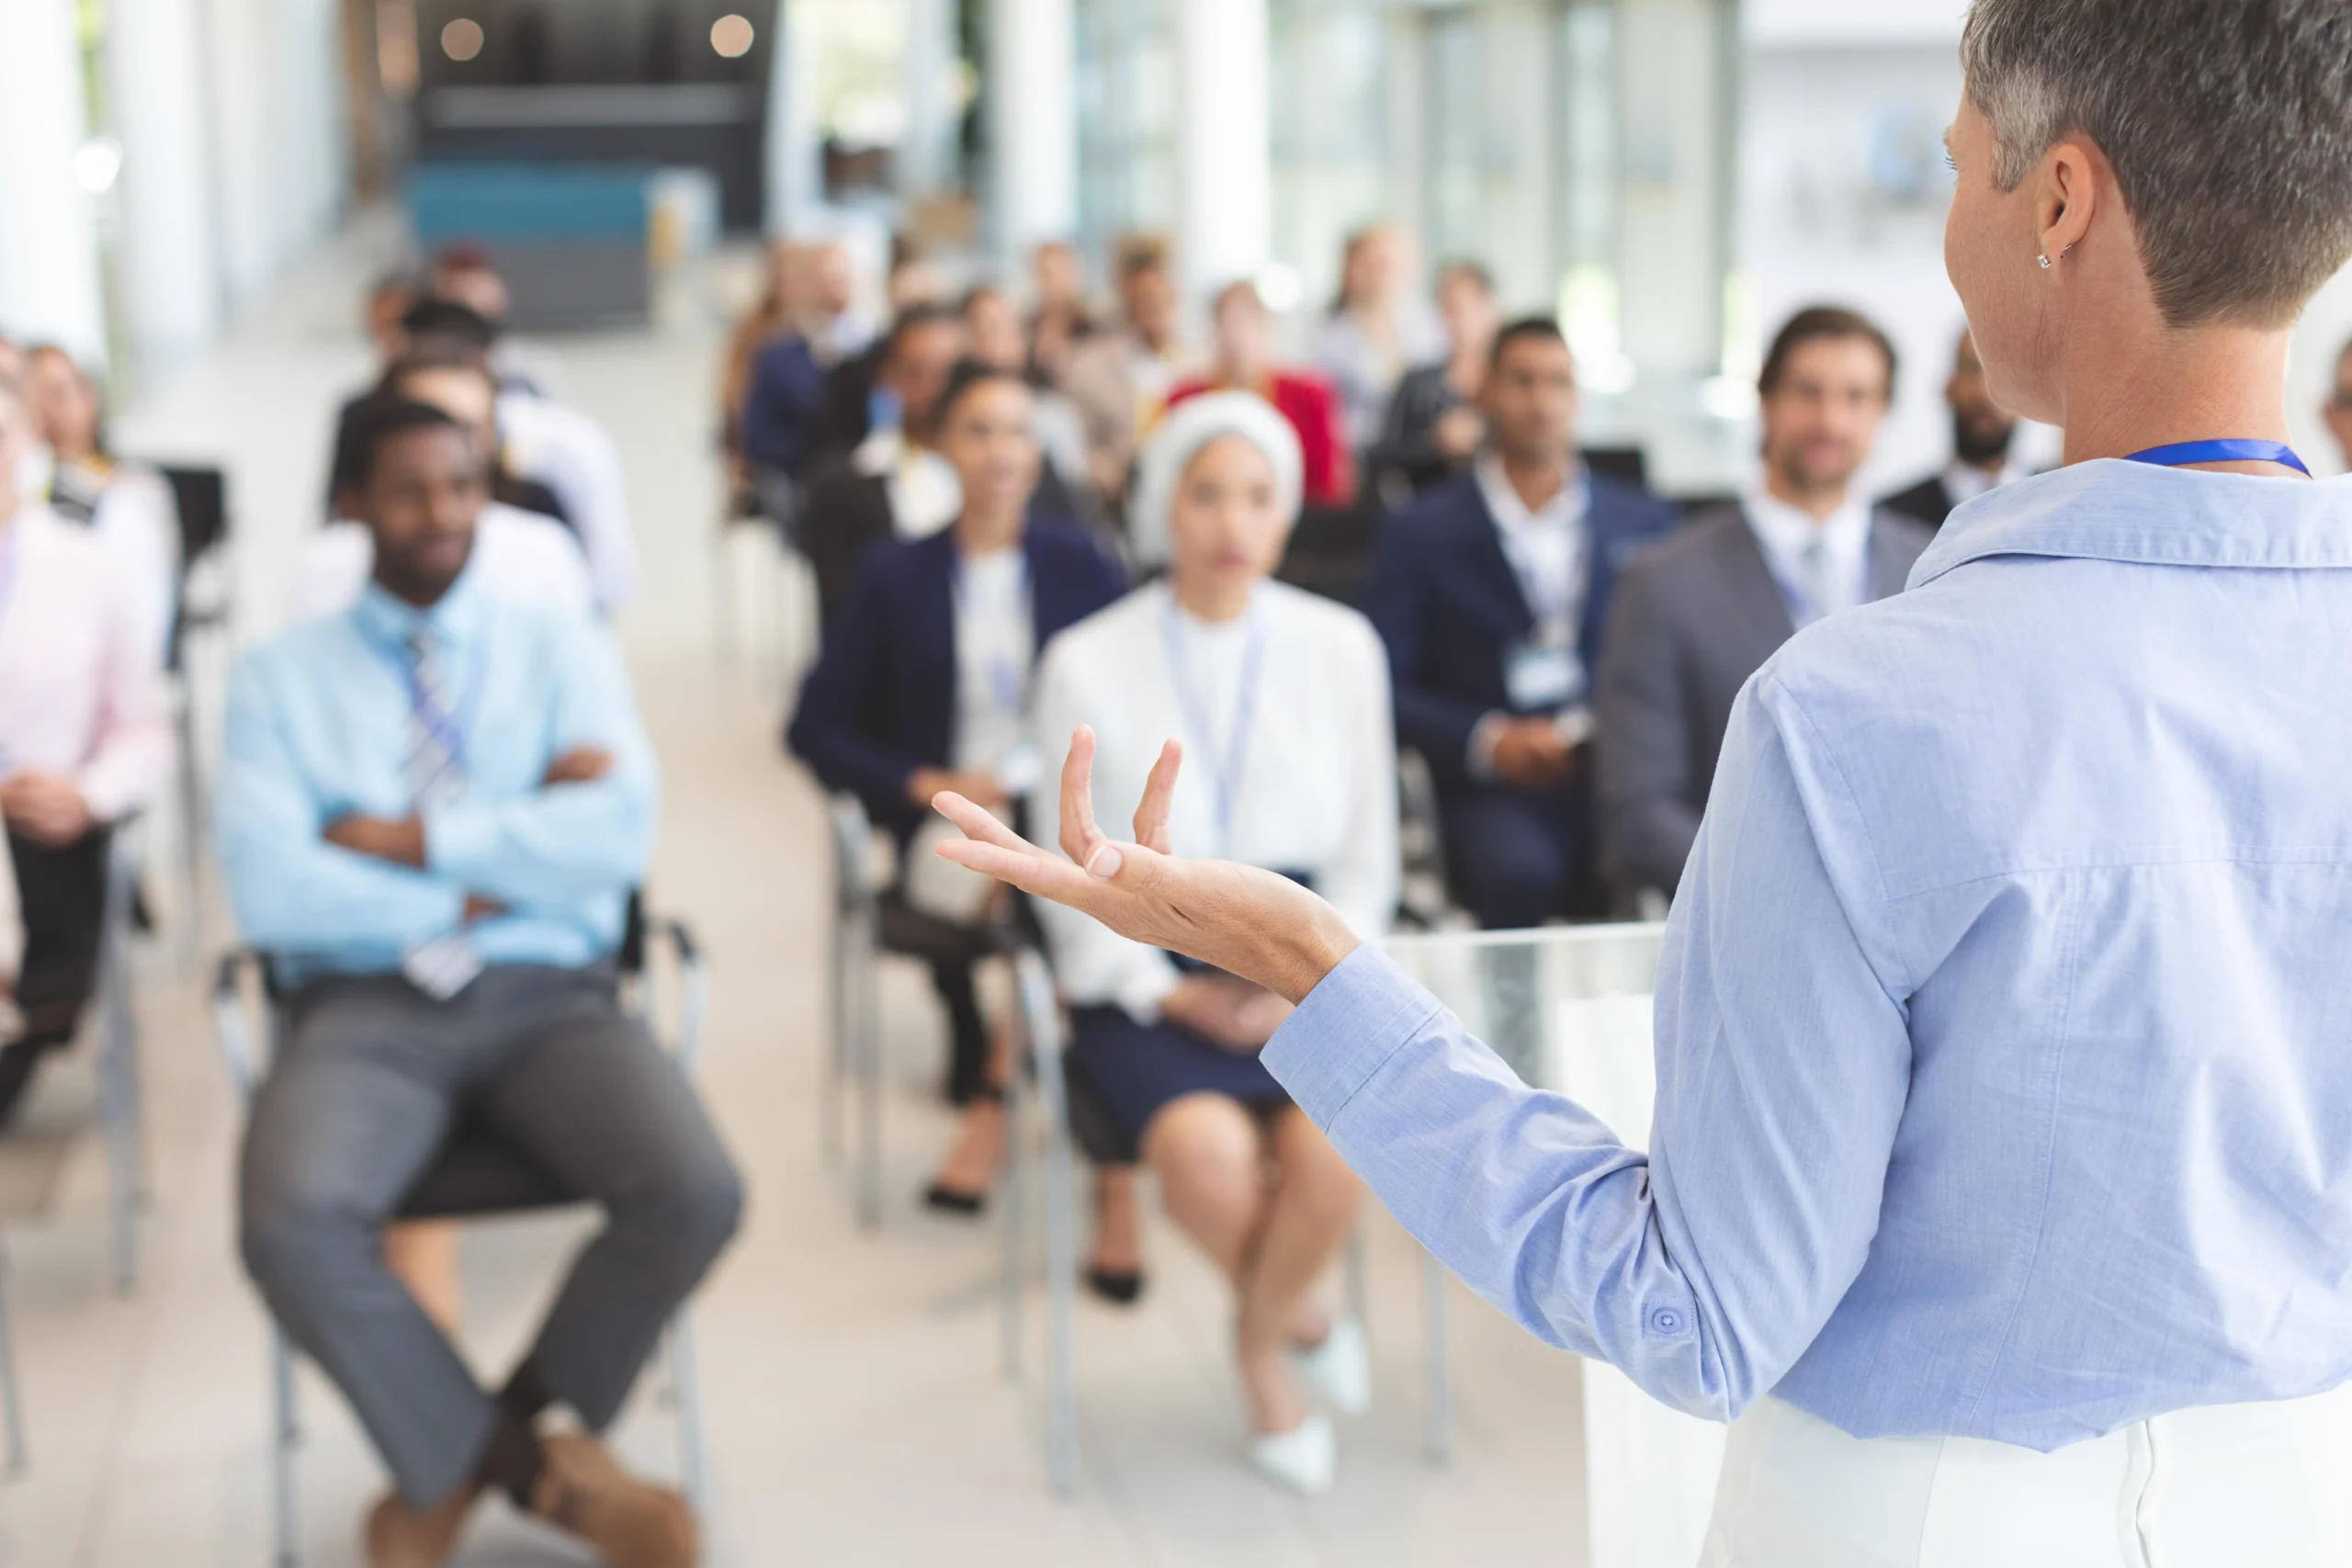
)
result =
(923, 685)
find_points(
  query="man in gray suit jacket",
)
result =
(1697, 614)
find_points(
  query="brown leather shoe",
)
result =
(403, 1537)
(630, 1523)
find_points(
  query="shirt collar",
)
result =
(1787, 530)
(2109, 509)
(453, 619)
(1566, 506)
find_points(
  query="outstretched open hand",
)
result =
(1249, 922)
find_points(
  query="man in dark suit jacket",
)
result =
(880, 717)
(1981, 434)
(1698, 614)
(1490, 591)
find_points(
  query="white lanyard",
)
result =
(1223, 762)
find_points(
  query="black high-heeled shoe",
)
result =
(1120, 1287)
(955, 1202)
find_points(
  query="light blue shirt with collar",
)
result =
(318, 727)
(2004, 1022)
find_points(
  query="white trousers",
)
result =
(2230, 1486)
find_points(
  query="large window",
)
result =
(1126, 116)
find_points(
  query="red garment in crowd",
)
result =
(1328, 475)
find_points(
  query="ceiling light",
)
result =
(461, 40)
(732, 36)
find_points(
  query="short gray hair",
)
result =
(2229, 124)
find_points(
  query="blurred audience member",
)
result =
(1981, 434)
(520, 556)
(1491, 592)
(1700, 613)
(575, 459)
(782, 294)
(464, 275)
(1433, 429)
(130, 505)
(780, 392)
(857, 400)
(1244, 362)
(1060, 321)
(85, 741)
(554, 459)
(432, 811)
(893, 483)
(1120, 380)
(1280, 701)
(923, 685)
(2337, 411)
(993, 335)
(390, 299)
(1379, 328)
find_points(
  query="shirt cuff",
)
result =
(1480, 759)
(1361, 1013)
(459, 837)
(1141, 993)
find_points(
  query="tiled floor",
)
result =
(856, 1411)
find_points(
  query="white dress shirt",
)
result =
(996, 636)
(1312, 781)
(571, 454)
(81, 692)
(1821, 564)
(1546, 545)
(925, 493)
(519, 559)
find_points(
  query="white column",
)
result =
(795, 166)
(1671, 82)
(1225, 151)
(927, 149)
(1033, 121)
(168, 266)
(49, 284)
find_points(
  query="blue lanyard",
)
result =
(2182, 454)
(1223, 762)
(453, 727)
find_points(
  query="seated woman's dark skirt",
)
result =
(1133, 1069)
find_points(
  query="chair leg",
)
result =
(286, 1435)
(1438, 1416)
(838, 1057)
(869, 1091)
(119, 1107)
(685, 1388)
(191, 825)
(12, 1409)
(1014, 1186)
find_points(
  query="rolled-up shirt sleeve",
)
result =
(1705, 1267)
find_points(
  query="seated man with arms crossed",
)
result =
(432, 808)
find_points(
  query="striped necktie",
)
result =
(436, 773)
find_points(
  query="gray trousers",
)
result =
(370, 1079)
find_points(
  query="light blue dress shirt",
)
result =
(2005, 1019)
(318, 727)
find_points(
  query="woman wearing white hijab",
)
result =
(1280, 701)
(1999, 1186)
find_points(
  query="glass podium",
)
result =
(1570, 1009)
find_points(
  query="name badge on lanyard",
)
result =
(1540, 674)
